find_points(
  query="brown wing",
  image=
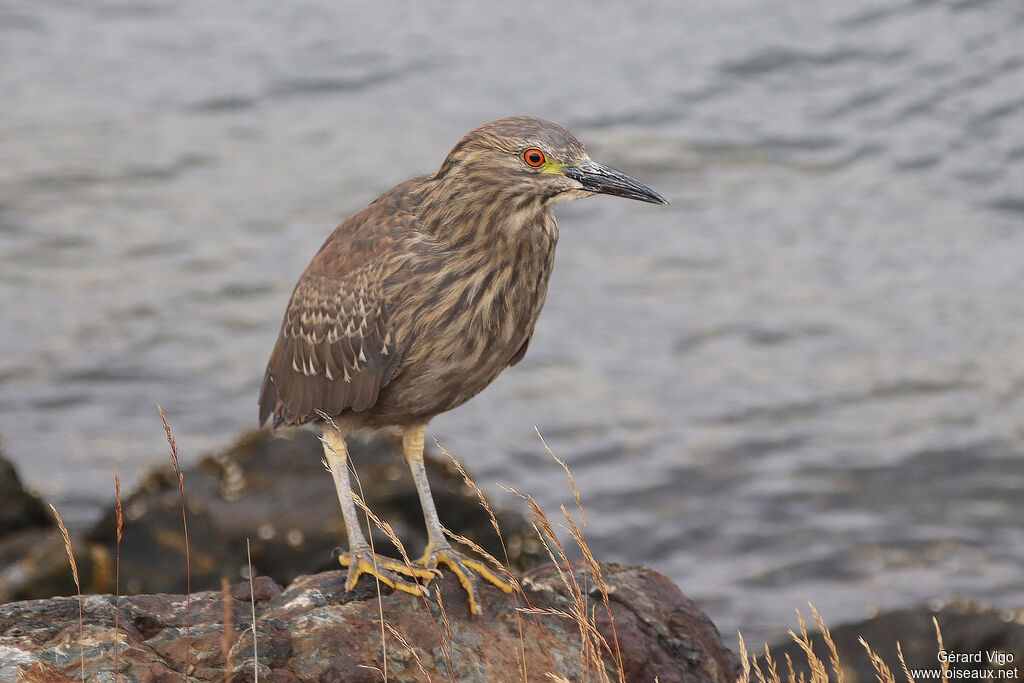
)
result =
(335, 351)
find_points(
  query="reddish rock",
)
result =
(316, 631)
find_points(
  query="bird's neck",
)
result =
(483, 211)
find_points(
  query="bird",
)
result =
(417, 302)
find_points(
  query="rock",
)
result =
(21, 510)
(662, 634)
(32, 558)
(34, 563)
(965, 628)
(270, 488)
(314, 630)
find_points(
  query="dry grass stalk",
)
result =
(503, 568)
(945, 660)
(568, 473)
(373, 553)
(405, 643)
(590, 636)
(446, 642)
(119, 517)
(227, 635)
(744, 661)
(595, 570)
(773, 672)
(594, 645)
(548, 538)
(831, 643)
(819, 674)
(761, 678)
(546, 541)
(571, 587)
(497, 566)
(584, 594)
(792, 673)
(903, 663)
(252, 601)
(184, 523)
(882, 672)
(384, 526)
(517, 590)
(546, 611)
(78, 586)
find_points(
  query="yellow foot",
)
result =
(363, 561)
(464, 568)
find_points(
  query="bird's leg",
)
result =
(360, 558)
(438, 549)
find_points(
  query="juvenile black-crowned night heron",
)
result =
(417, 302)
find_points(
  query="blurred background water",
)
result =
(804, 380)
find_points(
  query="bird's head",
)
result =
(527, 159)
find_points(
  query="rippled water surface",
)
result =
(802, 380)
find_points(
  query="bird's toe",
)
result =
(467, 570)
(387, 570)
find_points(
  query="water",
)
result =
(804, 380)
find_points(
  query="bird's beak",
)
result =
(595, 177)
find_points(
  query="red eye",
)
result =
(533, 157)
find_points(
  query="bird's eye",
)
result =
(533, 157)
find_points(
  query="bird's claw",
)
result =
(464, 568)
(387, 570)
